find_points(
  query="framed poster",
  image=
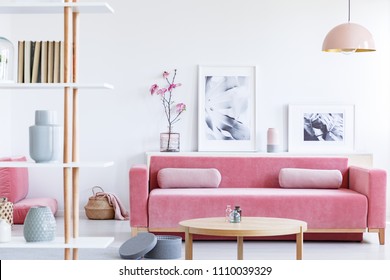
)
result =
(321, 128)
(227, 108)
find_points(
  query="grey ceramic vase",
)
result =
(39, 225)
(45, 137)
(272, 140)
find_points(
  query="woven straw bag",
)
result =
(98, 207)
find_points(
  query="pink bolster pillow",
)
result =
(310, 178)
(188, 178)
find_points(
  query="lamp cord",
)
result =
(349, 10)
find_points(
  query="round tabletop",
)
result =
(249, 226)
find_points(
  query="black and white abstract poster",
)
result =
(321, 128)
(226, 109)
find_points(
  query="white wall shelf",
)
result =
(54, 8)
(81, 164)
(15, 86)
(59, 242)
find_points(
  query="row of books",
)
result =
(40, 62)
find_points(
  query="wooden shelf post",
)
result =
(75, 131)
(67, 109)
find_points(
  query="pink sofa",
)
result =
(343, 213)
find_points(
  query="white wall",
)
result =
(131, 48)
(5, 138)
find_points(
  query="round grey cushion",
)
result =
(138, 246)
(167, 247)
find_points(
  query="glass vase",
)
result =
(169, 142)
(6, 60)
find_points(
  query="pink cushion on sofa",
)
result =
(300, 178)
(22, 207)
(188, 178)
(13, 181)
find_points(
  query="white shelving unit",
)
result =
(71, 164)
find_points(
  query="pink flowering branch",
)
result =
(171, 111)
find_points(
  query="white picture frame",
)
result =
(227, 108)
(321, 128)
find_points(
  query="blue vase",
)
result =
(45, 137)
(39, 224)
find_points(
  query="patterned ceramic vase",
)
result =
(39, 225)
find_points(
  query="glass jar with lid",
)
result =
(6, 60)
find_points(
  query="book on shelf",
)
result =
(20, 61)
(40, 62)
(44, 62)
(62, 62)
(50, 61)
(56, 63)
(27, 62)
(32, 52)
(36, 59)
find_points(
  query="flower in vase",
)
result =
(180, 107)
(171, 109)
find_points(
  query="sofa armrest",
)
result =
(139, 194)
(371, 183)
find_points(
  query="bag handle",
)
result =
(96, 187)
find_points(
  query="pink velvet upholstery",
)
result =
(247, 172)
(319, 208)
(299, 178)
(253, 183)
(22, 207)
(188, 178)
(139, 195)
(371, 183)
(13, 181)
(14, 186)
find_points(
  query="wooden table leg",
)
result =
(188, 245)
(299, 245)
(240, 248)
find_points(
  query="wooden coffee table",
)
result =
(249, 226)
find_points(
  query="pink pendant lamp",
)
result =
(348, 38)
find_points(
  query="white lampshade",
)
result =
(348, 37)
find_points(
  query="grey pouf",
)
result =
(167, 247)
(136, 247)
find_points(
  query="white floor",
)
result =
(368, 249)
